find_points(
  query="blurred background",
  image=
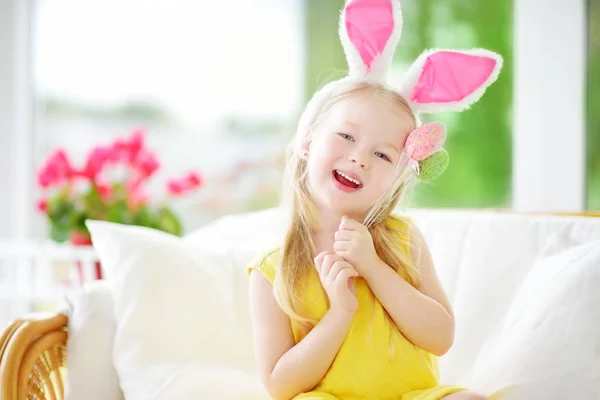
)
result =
(222, 91)
(218, 87)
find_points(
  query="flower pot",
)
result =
(82, 239)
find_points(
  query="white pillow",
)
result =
(213, 382)
(173, 312)
(92, 374)
(548, 345)
(233, 241)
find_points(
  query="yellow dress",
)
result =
(375, 360)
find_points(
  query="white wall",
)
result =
(549, 171)
(16, 172)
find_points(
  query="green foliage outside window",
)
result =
(479, 140)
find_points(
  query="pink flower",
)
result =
(134, 185)
(177, 187)
(42, 205)
(121, 150)
(55, 170)
(195, 179)
(136, 143)
(147, 163)
(45, 178)
(96, 161)
(104, 190)
(136, 196)
(128, 150)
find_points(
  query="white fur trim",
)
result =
(414, 72)
(307, 119)
(356, 66)
(381, 63)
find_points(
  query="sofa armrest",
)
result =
(33, 358)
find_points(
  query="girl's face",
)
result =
(353, 153)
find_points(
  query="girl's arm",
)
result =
(287, 370)
(424, 316)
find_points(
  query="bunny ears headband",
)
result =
(438, 80)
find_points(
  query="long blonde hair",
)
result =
(299, 245)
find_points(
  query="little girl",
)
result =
(350, 305)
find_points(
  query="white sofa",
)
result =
(486, 261)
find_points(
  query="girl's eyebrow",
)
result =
(354, 125)
(386, 144)
(391, 145)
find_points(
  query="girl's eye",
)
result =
(382, 156)
(346, 136)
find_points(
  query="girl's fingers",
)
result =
(352, 286)
(328, 262)
(344, 277)
(319, 260)
(337, 267)
(344, 235)
(342, 246)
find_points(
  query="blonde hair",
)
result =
(299, 246)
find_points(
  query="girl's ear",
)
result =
(450, 80)
(369, 31)
(305, 150)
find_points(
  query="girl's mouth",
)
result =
(345, 182)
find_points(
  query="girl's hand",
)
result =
(354, 243)
(336, 276)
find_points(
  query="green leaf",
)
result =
(168, 222)
(78, 222)
(143, 217)
(120, 213)
(93, 200)
(63, 216)
(60, 233)
(59, 209)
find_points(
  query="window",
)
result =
(479, 139)
(593, 97)
(218, 88)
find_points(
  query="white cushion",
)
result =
(233, 242)
(92, 374)
(482, 258)
(548, 345)
(173, 312)
(213, 382)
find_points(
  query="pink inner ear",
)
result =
(369, 24)
(451, 76)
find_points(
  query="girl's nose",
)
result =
(360, 160)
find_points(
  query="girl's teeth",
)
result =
(347, 177)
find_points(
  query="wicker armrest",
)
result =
(33, 358)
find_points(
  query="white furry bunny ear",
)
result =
(369, 31)
(450, 80)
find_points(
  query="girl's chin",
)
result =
(345, 209)
(332, 203)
